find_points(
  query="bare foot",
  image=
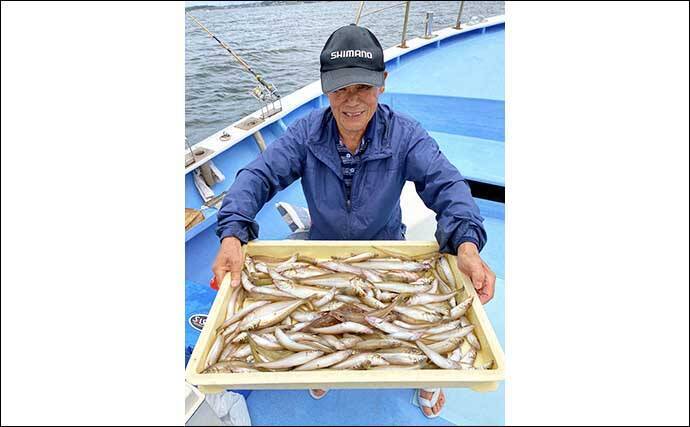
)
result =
(318, 392)
(437, 407)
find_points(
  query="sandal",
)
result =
(436, 392)
(312, 394)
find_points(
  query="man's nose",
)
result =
(351, 96)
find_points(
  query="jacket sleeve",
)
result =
(273, 170)
(445, 191)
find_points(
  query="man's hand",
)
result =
(483, 279)
(229, 259)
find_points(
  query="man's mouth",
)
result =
(353, 114)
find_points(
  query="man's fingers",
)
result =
(487, 292)
(236, 274)
(489, 284)
(478, 278)
(483, 296)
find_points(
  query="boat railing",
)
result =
(428, 20)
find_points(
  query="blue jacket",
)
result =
(399, 150)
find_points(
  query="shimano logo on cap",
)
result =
(351, 54)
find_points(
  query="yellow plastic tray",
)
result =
(478, 380)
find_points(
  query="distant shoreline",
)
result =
(246, 5)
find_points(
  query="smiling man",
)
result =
(354, 158)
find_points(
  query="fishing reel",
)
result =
(267, 95)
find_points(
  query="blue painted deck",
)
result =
(461, 104)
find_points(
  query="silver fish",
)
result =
(227, 352)
(261, 267)
(385, 296)
(473, 341)
(403, 276)
(392, 330)
(299, 326)
(436, 358)
(319, 346)
(402, 287)
(333, 342)
(230, 310)
(288, 343)
(433, 309)
(360, 257)
(446, 346)
(304, 316)
(372, 302)
(286, 265)
(215, 351)
(270, 314)
(471, 337)
(296, 359)
(340, 267)
(403, 358)
(249, 266)
(372, 276)
(347, 298)
(326, 298)
(240, 314)
(412, 326)
(419, 299)
(460, 309)
(460, 333)
(349, 341)
(325, 361)
(301, 336)
(299, 291)
(418, 314)
(392, 265)
(332, 280)
(344, 327)
(266, 342)
(447, 272)
(304, 273)
(250, 287)
(441, 285)
(361, 360)
(445, 327)
(380, 343)
(230, 329)
(412, 349)
(331, 306)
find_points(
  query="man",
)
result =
(354, 158)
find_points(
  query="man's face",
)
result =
(353, 106)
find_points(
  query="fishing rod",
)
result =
(269, 87)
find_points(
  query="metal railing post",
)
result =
(404, 32)
(457, 23)
(359, 12)
(429, 26)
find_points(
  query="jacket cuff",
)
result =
(234, 230)
(466, 234)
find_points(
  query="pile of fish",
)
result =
(366, 311)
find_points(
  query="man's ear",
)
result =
(382, 88)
